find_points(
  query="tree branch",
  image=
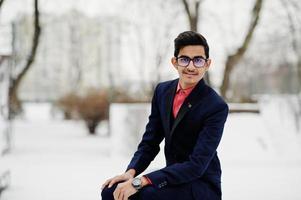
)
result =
(15, 105)
(233, 59)
(197, 6)
(186, 6)
(253, 24)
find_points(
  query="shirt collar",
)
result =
(186, 91)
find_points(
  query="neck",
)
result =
(185, 85)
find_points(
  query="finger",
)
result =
(106, 183)
(116, 193)
(112, 183)
(114, 180)
(120, 197)
(130, 192)
(125, 196)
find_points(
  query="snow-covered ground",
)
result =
(53, 159)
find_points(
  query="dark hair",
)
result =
(190, 38)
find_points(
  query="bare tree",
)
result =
(159, 25)
(161, 43)
(14, 102)
(292, 9)
(234, 59)
(75, 51)
(192, 12)
(1, 2)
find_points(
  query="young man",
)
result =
(190, 116)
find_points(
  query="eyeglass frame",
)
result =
(193, 61)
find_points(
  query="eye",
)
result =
(184, 59)
(199, 60)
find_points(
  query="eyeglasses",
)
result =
(197, 61)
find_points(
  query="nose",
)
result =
(190, 66)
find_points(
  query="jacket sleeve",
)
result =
(149, 147)
(202, 154)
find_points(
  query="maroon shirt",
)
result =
(180, 97)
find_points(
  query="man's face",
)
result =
(190, 75)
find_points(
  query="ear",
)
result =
(208, 63)
(174, 62)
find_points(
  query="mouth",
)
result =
(190, 74)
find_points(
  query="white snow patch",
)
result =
(57, 159)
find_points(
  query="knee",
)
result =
(107, 193)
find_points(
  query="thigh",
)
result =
(107, 193)
(203, 190)
(178, 192)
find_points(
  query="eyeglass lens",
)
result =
(197, 61)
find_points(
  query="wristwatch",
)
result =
(137, 183)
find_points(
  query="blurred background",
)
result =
(77, 77)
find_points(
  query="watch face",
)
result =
(136, 182)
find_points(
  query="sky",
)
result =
(13, 8)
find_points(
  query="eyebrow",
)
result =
(181, 56)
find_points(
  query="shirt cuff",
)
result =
(148, 180)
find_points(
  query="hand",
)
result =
(123, 177)
(124, 190)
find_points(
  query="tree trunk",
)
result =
(1, 3)
(14, 102)
(192, 13)
(234, 59)
(92, 124)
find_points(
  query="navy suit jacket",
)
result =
(191, 139)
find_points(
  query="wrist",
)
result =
(131, 173)
(144, 181)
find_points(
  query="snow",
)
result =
(253, 167)
(127, 125)
(244, 106)
(56, 159)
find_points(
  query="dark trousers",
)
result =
(150, 192)
(107, 193)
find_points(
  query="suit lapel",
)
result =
(169, 102)
(190, 102)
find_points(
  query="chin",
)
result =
(190, 82)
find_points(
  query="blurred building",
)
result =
(75, 52)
